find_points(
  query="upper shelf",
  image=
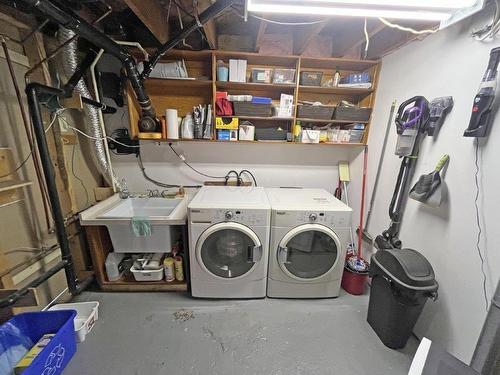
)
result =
(255, 86)
(335, 90)
(164, 83)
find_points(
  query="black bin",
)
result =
(402, 280)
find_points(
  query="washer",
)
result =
(309, 237)
(229, 242)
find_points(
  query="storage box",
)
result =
(147, 275)
(311, 78)
(352, 113)
(227, 135)
(356, 78)
(270, 134)
(233, 70)
(242, 70)
(228, 123)
(262, 75)
(284, 76)
(318, 112)
(356, 133)
(286, 106)
(251, 109)
(86, 316)
(310, 136)
(54, 357)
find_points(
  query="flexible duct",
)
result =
(91, 121)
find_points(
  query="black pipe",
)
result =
(32, 91)
(14, 297)
(79, 72)
(212, 11)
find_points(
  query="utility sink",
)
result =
(165, 216)
(152, 208)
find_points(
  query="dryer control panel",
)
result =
(242, 216)
(329, 219)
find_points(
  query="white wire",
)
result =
(55, 299)
(22, 249)
(56, 114)
(492, 29)
(367, 36)
(288, 23)
(408, 29)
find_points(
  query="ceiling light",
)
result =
(433, 10)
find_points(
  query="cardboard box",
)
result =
(286, 106)
(233, 70)
(242, 70)
(227, 123)
(227, 135)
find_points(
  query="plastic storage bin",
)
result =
(318, 112)
(147, 275)
(270, 134)
(353, 114)
(86, 316)
(61, 348)
(311, 78)
(402, 280)
(252, 109)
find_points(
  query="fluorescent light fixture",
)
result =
(433, 10)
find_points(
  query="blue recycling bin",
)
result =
(33, 325)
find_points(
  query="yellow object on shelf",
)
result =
(227, 123)
(179, 272)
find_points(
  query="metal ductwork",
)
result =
(91, 118)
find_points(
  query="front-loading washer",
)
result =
(309, 237)
(229, 242)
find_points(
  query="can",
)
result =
(168, 264)
(179, 272)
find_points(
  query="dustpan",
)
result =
(430, 188)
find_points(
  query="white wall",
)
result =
(447, 63)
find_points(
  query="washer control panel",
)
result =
(328, 218)
(243, 216)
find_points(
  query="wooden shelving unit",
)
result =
(183, 94)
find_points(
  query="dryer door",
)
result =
(228, 250)
(309, 251)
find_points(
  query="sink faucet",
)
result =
(153, 193)
(123, 190)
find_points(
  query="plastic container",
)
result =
(252, 109)
(353, 114)
(114, 268)
(147, 275)
(354, 282)
(168, 265)
(284, 76)
(402, 280)
(222, 73)
(270, 134)
(60, 349)
(123, 239)
(261, 75)
(86, 316)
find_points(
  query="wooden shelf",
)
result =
(256, 142)
(160, 83)
(264, 118)
(335, 90)
(331, 121)
(13, 184)
(254, 86)
(126, 285)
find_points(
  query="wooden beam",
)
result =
(356, 50)
(260, 34)
(153, 15)
(305, 35)
(210, 27)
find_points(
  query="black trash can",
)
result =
(402, 280)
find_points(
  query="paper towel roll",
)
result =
(172, 124)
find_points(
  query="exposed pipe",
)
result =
(29, 135)
(91, 120)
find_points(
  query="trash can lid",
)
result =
(407, 267)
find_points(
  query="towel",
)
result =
(141, 226)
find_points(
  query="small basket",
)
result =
(86, 316)
(318, 112)
(270, 134)
(311, 78)
(252, 109)
(147, 275)
(352, 114)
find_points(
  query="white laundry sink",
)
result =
(164, 215)
(152, 208)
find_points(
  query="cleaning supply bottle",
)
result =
(336, 77)
(297, 129)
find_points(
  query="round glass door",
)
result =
(229, 250)
(309, 251)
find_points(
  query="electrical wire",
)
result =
(22, 249)
(56, 114)
(478, 223)
(408, 29)
(87, 200)
(367, 36)
(19, 166)
(237, 11)
(489, 31)
(190, 166)
(249, 173)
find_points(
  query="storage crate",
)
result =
(352, 114)
(252, 109)
(311, 78)
(318, 112)
(270, 134)
(55, 356)
(86, 316)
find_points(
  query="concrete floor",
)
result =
(140, 333)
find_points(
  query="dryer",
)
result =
(309, 237)
(229, 242)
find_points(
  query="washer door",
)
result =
(309, 251)
(228, 250)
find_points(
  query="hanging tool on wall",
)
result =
(481, 117)
(439, 108)
(429, 187)
(344, 179)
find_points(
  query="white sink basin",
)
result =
(152, 208)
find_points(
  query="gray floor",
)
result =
(142, 334)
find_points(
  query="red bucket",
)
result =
(354, 282)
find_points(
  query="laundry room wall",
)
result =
(447, 63)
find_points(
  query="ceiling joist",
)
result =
(152, 15)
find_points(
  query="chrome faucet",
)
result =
(153, 193)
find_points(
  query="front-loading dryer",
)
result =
(309, 237)
(229, 242)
